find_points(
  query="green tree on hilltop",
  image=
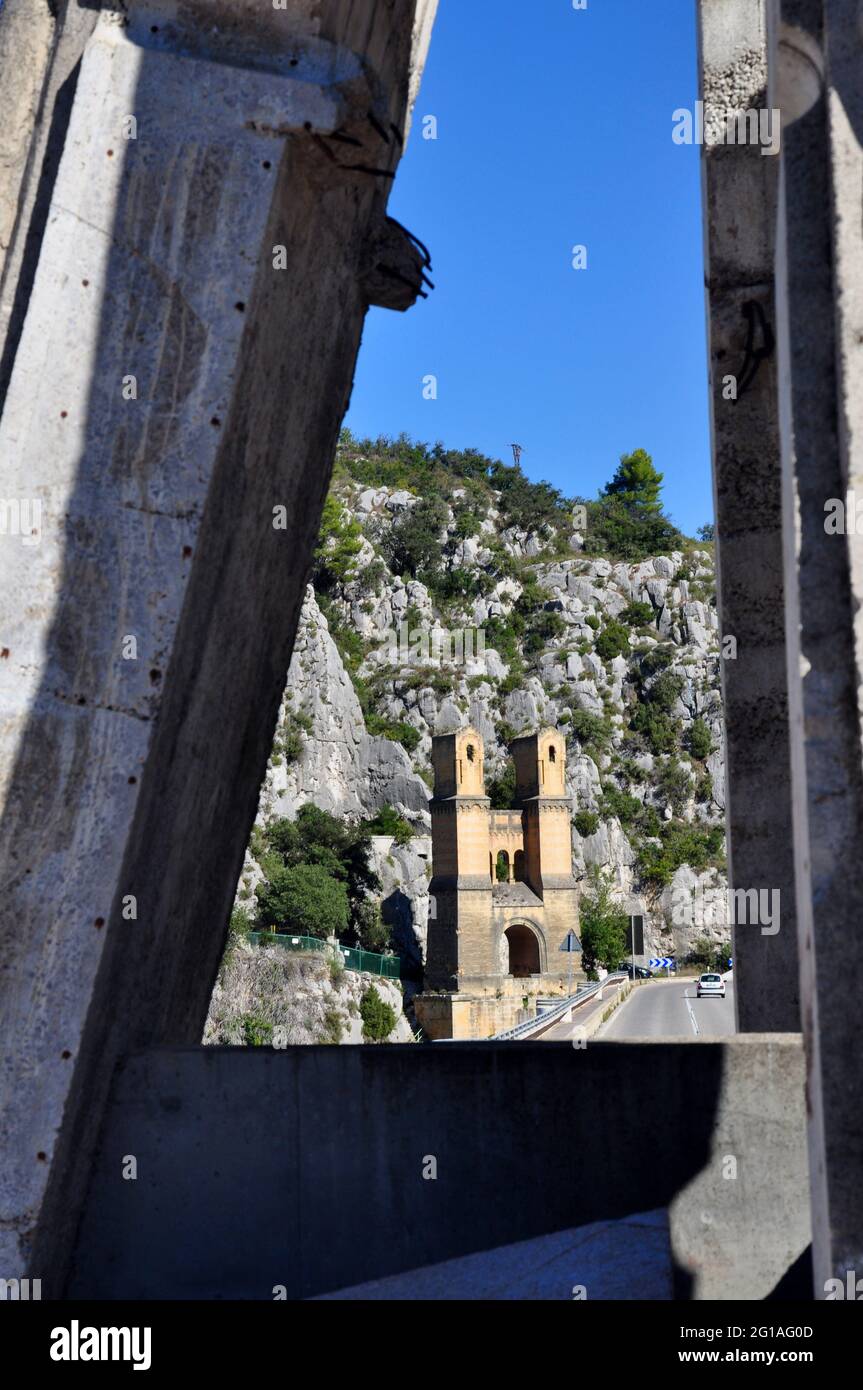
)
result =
(637, 482)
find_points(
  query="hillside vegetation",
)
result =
(596, 616)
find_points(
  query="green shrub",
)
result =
(332, 1028)
(389, 822)
(305, 900)
(656, 727)
(501, 790)
(656, 660)
(512, 682)
(370, 578)
(379, 1018)
(413, 544)
(612, 641)
(340, 541)
(372, 931)
(447, 585)
(586, 823)
(665, 691)
(700, 740)
(543, 629)
(467, 523)
(397, 730)
(620, 805)
(257, 1032)
(637, 615)
(622, 531)
(704, 788)
(239, 925)
(500, 634)
(674, 785)
(591, 730)
(681, 844)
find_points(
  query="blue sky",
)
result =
(554, 129)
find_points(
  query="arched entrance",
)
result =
(523, 952)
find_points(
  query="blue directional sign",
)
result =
(571, 944)
(662, 963)
(730, 962)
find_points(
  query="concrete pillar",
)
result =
(817, 79)
(740, 183)
(41, 44)
(215, 234)
(27, 30)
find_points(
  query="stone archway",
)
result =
(524, 952)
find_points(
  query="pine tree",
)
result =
(637, 483)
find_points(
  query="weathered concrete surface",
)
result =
(34, 145)
(128, 782)
(305, 1168)
(816, 67)
(751, 1191)
(27, 32)
(740, 189)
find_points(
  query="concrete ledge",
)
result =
(319, 1168)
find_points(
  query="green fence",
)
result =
(370, 962)
(388, 967)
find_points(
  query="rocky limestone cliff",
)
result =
(640, 781)
(272, 997)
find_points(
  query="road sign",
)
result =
(635, 936)
(662, 963)
(571, 945)
(730, 962)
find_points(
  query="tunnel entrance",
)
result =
(523, 952)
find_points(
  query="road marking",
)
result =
(691, 1015)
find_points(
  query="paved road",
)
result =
(669, 1009)
(565, 1032)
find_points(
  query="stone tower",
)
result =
(546, 815)
(462, 884)
(504, 898)
(546, 811)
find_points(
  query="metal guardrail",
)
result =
(530, 1025)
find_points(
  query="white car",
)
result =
(711, 987)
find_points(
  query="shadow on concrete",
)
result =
(310, 1168)
(140, 778)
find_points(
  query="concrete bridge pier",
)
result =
(817, 80)
(214, 232)
(740, 194)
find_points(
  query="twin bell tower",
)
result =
(503, 895)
